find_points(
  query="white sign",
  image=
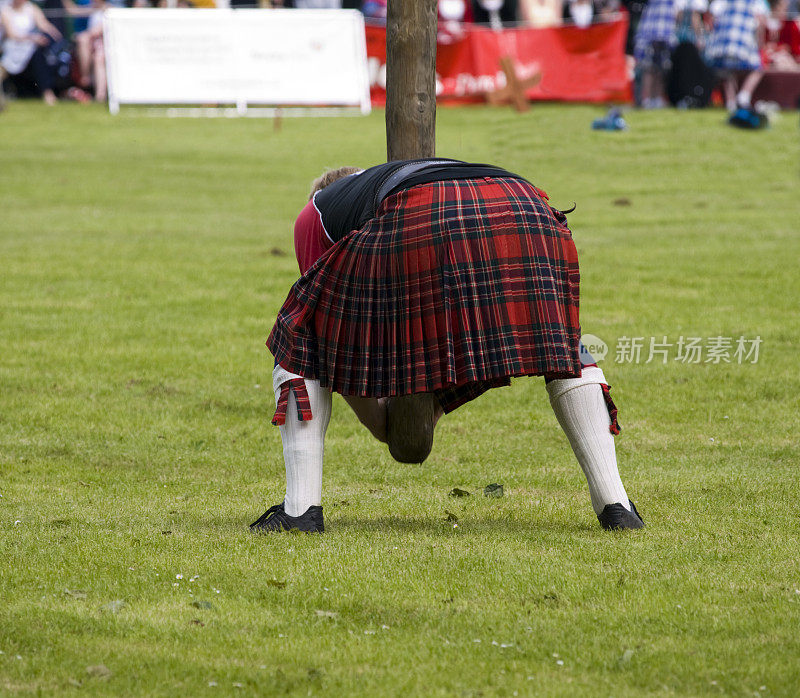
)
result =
(241, 57)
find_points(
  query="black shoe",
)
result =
(616, 516)
(276, 519)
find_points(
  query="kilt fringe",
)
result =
(298, 386)
(614, 427)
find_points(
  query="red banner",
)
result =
(577, 65)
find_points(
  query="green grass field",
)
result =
(142, 263)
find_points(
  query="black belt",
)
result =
(397, 177)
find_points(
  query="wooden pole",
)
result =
(411, 79)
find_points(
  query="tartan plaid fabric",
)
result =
(656, 25)
(614, 427)
(302, 401)
(732, 45)
(454, 287)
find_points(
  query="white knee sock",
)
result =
(582, 413)
(743, 98)
(303, 443)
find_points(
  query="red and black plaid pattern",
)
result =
(454, 287)
(298, 387)
(614, 427)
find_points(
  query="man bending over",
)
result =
(424, 284)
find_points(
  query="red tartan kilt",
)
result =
(454, 287)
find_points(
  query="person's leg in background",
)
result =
(647, 71)
(749, 84)
(42, 75)
(728, 80)
(99, 70)
(83, 52)
(653, 79)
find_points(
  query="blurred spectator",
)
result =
(89, 47)
(655, 38)
(732, 48)
(580, 12)
(790, 35)
(495, 12)
(452, 16)
(689, 25)
(605, 9)
(80, 11)
(541, 13)
(54, 12)
(635, 9)
(374, 10)
(690, 80)
(27, 33)
(782, 46)
(318, 4)
(80, 22)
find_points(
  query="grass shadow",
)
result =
(441, 527)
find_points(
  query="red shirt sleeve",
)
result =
(310, 240)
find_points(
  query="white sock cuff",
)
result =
(279, 376)
(295, 394)
(592, 375)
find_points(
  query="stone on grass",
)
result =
(114, 606)
(493, 490)
(98, 671)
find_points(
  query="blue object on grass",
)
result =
(745, 117)
(612, 121)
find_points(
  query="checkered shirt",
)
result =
(732, 45)
(657, 24)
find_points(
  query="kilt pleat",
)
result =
(454, 287)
